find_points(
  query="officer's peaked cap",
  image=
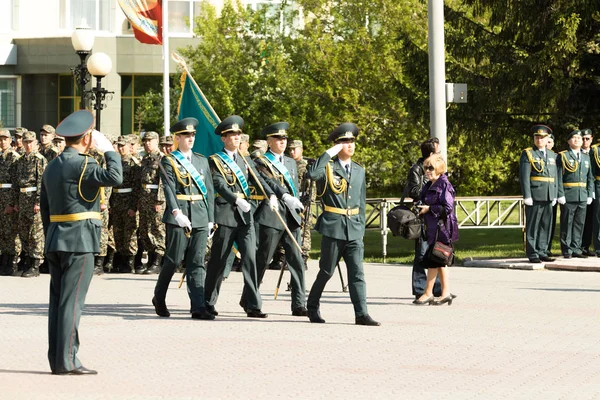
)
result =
(183, 126)
(278, 129)
(77, 124)
(233, 123)
(347, 130)
(541, 130)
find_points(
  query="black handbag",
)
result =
(440, 254)
(405, 222)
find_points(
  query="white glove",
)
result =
(528, 201)
(589, 201)
(334, 150)
(292, 202)
(553, 202)
(242, 204)
(101, 143)
(273, 202)
(594, 195)
(211, 225)
(562, 200)
(182, 220)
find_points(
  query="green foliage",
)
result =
(150, 109)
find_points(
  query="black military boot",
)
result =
(3, 265)
(44, 269)
(12, 267)
(22, 265)
(127, 266)
(109, 260)
(154, 268)
(34, 268)
(98, 265)
(140, 267)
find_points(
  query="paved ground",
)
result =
(510, 334)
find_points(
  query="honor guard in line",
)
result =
(308, 195)
(47, 148)
(575, 192)
(233, 215)
(123, 205)
(595, 160)
(151, 203)
(537, 170)
(341, 185)
(70, 209)
(9, 241)
(19, 140)
(27, 180)
(189, 196)
(280, 173)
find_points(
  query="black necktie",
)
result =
(234, 157)
(348, 170)
(577, 156)
(281, 159)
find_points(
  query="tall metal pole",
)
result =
(437, 74)
(98, 106)
(165, 45)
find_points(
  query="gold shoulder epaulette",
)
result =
(562, 152)
(529, 148)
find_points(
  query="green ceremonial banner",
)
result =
(193, 104)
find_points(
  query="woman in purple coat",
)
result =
(438, 205)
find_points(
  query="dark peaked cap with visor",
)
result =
(77, 124)
(345, 131)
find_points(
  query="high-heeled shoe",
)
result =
(448, 299)
(427, 301)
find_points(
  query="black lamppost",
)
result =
(99, 65)
(83, 41)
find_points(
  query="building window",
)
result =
(95, 13)
(8, 102)
(274, 10)
(132, 88)
(6, 14)
(69, 96)
(182, 14)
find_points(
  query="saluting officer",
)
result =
(342, 183)
(8, 217)
(537, 168)
(575, 192)
(281, 174)
(233, 214)
(47, 148)
(190, 205)
(70, 208)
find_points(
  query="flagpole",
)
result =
(165, 43)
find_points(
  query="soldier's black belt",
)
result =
(75, 217)
(342, 211)
(542, 178)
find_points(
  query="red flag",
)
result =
(145, 17)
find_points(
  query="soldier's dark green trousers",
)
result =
(538, 218)
(70, 277)
(332, 250)
(223, 240)
(193, 250)
(596, 219)
(572, 219)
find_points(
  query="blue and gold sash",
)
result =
(236, 170)
(283, 170)
(189, 167)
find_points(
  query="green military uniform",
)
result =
(280, 173)
(576, 187)
(70, 208)
(194, 198)
(151, 194)
(9, 241)
(343, 195)
(124, 198)
(537, 171)
(595, 160)
(27, 181)
(234, 225)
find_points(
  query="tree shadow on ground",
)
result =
(125, 311)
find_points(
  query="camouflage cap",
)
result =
(20, 131)
(295, 143)
(4, 133)
(260, 144)
(48, 129)
(122, 140)
(166, 139)
(29, 136)
(245, 138)
(133, 139)
(150, 135)
(58, 138)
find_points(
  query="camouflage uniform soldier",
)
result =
(259, 148)
(150, 205)
(19, 140)
(59, 143)
(307, 195)
(27, 180)
(8, 217)
(47, 148)
(123, 204)
(166, 144)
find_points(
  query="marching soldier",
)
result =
(166, 144)
(27, 181)
(307, 195)
(343, 186)
(575, 192)
(537, 168)
(19, 140)
(47, 148)
(189, 206)
(151, 200)
(230, 172)
(70, 208)
(281, 174)
(123, 205)
(9, 241)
